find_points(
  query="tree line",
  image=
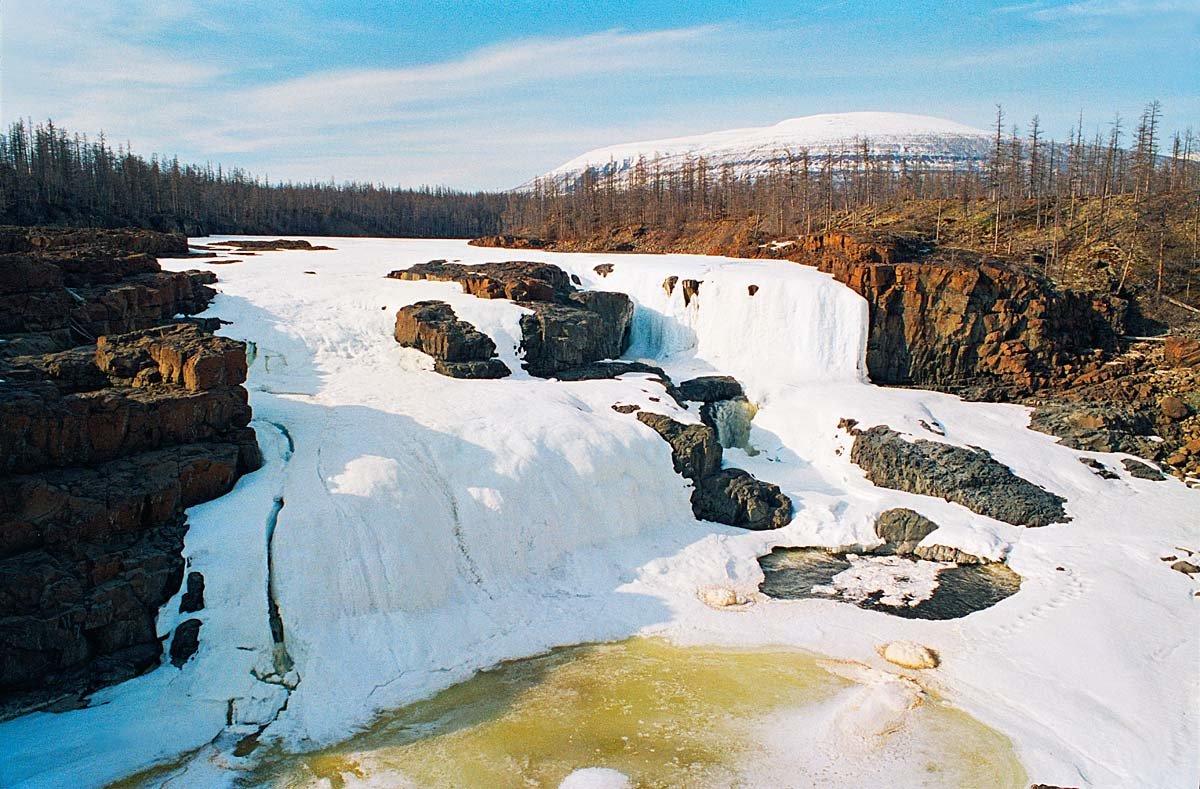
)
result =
(51, 177)
(807, 191)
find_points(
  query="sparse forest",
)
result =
(1116, 209)
(1107, 211)
(51, 177)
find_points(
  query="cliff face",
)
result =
(942, 325)
(102, 447)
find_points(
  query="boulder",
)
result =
(458, 348)
(593, 325)
(970, 477)
(901, 530)
(1173, 408)
(735, 497)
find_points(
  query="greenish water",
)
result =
(791, 573)
(664, 716)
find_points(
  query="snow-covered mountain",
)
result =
(932, 142)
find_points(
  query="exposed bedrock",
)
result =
(102, 447)
(60, 288)
(709, 388)
(970, 477)
(731, 496)
(567, 327)
(458, 348)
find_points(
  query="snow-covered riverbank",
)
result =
(431, 527)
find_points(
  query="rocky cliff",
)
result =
(114, 418)
(944, 323)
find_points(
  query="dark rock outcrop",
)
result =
(508, 242)
(592, 325)
(736, 497)
(186, 642)
(102, 447)
(1099, 469)
(709, 388)
(260, 245)
(731, 496)
(970, 477)
(458, 348)
(1141, 470)
(566, 328)
(193, 596)
(513, 280)
(617, 368)
(58, 289)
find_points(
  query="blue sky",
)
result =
(489, 94)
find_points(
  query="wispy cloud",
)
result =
(1100, 9)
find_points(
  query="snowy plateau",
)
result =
(834, 139)
(412, 529)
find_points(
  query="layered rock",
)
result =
(458, 348)
(102, 447)
(946, 324)
(565, 328)
(731, 496)
(61, 288)
(970, 477)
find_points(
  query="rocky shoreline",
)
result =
(116, 414)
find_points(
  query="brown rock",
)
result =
(1173, 408)
(1181, 351)
(459, 349)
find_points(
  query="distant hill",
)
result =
(933, 143)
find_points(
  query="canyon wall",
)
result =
(115, 415)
